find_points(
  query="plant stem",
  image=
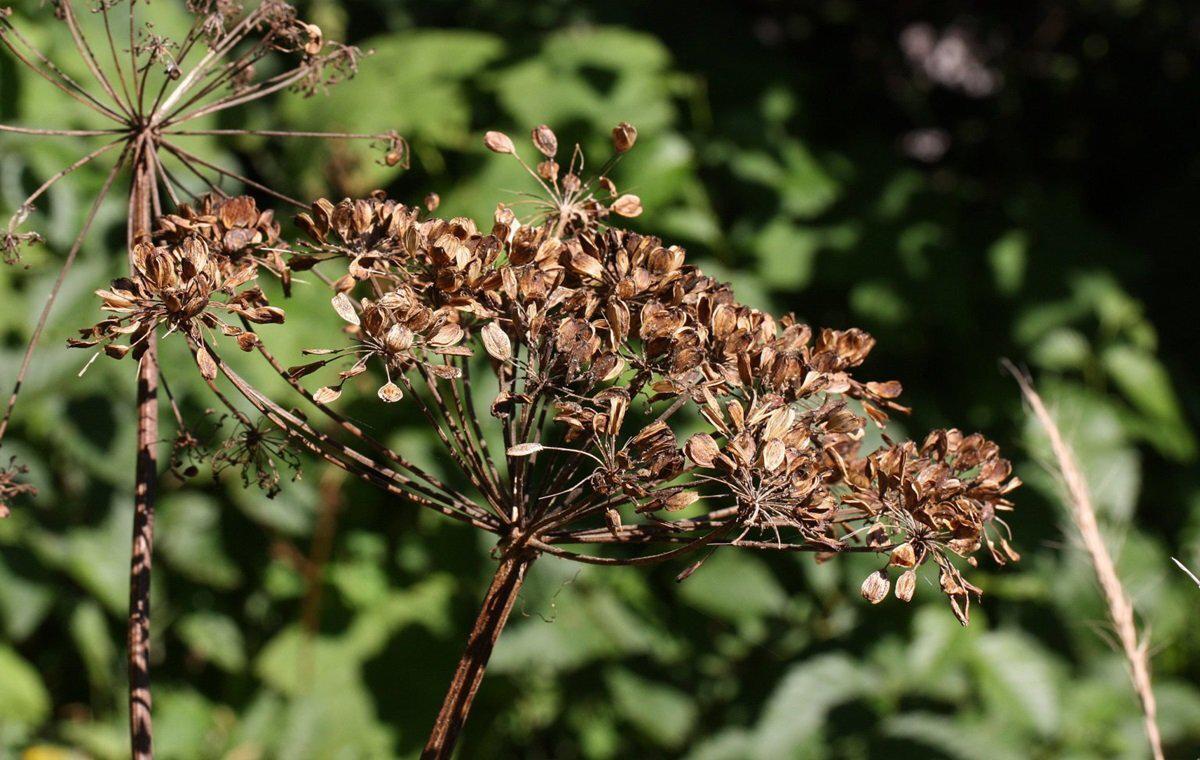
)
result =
(497, 604)
(140, 727)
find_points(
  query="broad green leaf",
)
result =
(214, 638)
(659, 711)
(734, 586)
(23, 697)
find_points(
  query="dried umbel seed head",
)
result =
(595, 340)
(203, 273)
(572, 204)
(11, 486)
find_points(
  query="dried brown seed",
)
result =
(545, 141)
(327, 395)
(498, 142)
(904, 555)
(496, 341)
(624, 135)
(208, 367)
(432, 201)
(875, 587)
(627, 205)
(612, 519)
(702, 449)
(390, 393)
(345, 308)
(906, 585)
(524, 449)
(773, 454)
(681, 500)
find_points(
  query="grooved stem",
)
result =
(140, 726)
(497, 604)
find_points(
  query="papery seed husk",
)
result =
(702, 449)
(390, 393)
(682, 500)
(524, 449)
(345, 308)
(904, 555)
(496, 341)
(327, 395)
(208, 367)
(545, 141)
(628, 205)
(773, 454)
(906, 585)
(624, 135)
(875, 587)
(498, 142)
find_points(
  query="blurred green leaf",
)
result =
(23, 697)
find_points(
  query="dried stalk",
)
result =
(1120, 608)
(146, 473)
(497, 604)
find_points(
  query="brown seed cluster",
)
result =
(10, 485)
(636, 400)
(601, 344)
(199, 270)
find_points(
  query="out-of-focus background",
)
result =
(965, 181)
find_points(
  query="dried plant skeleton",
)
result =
(557, 360)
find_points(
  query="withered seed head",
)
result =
(596, 338)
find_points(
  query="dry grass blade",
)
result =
(1185, 569)
(1120, 608)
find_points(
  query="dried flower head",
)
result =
(586, 351)
(11, 487)
(600, 343)
(258, 451)
(201, 272)
(570, 202)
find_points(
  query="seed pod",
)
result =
(345, 308)
(432, 201)
(628, 205)
(208, 367)
(524, 449)
(498, 142)
(390, 393)
(681, 500)
(906, 584)
(904, 555)
(548, 170)
(773, 454)
(327, 395)
(613, 519)
(875, 587)
(545, 141)
(624, 136)
(702, 449)
(496, 341)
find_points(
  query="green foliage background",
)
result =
(1058, 229)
